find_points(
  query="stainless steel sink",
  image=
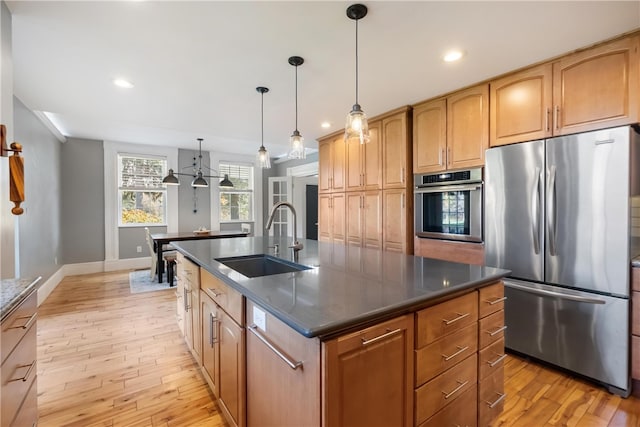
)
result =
(260, 265)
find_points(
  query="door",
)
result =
(514, 206)
(311, 197)
(587, 221)
(280, 189)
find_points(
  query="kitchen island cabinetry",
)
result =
(188, 303)
(635, 328)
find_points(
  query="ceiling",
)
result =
(196, 65)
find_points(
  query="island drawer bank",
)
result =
(341, 339)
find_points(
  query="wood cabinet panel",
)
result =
(520, 106)
(17, 374)
(324, 166)
(635, 358)
(324, 217)
(368, 376)
(468, 253)
(364, 219)
(430, 136)
(338, 220)
(491, 359)
(397, 210)
(491, 329)
(442, 390)
(597, 88)
(635, 314)
(231, 383)
(332, 164)
(224, 295)
(210, 350)
(27, 415)
(363, 162)
(395, 168)
(467, 127)
(490, 398)
(442, 354)
(491, 299)
(635, 279)
(16, 325)
(440, 320)
(461, 412)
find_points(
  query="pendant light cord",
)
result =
(261, 119)
(296, 97)
(356, 61)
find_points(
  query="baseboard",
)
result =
(127, 264)
(50, 284)
(83, 268)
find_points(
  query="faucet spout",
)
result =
(296, 246)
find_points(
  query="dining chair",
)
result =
(154, 262)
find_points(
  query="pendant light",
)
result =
(198, 177)
(357, 126)
(263, 155)
(296, 141)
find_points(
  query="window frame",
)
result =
(250, 191)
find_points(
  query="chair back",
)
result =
(149, 240)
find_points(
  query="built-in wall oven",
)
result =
(448, 205)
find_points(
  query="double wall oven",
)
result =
(449, 205)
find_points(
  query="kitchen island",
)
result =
(337, 343)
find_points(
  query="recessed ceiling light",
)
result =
(326, 125)
(123, 83)
(452, 55)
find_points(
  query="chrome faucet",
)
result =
(296, 246)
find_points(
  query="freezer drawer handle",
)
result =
(26, 324)
(381, 337)
(495, 301)
(498, 400)
(460, 317)
(495, 362)
(544, 292)
(455, 390)
(497, 331)
(460, 351)
(292, 363)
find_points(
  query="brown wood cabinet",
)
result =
(188, 288)
(587, 90)
(396, 151)
(364, 162)
(430, 136)
(331, 217)
(635, 330)
(231, 397)
(210, 348)
(368, 376)
(364, 218)
(468, 253)
(397, 214)
(332, 166)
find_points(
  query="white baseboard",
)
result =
(88, 268)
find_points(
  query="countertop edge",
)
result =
(17, 299)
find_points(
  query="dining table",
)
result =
(161, 239)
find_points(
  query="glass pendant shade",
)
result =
(263, 158)
(170, 179)
(357, 125)
(296, 146)
(226, 182)
(199, 181)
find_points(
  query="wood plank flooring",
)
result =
(107, 357)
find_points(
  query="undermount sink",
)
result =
(260, 265)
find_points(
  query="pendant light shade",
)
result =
(198, 177)
(296, 141)
(226, 182)
(357, 125)
(263, 159)
(170, 179)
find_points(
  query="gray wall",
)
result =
(188, 219)
(39, 226)
(82, 222)
(129, 238)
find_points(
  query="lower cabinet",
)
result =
(210, 348)
(231, 381)
(188, 300)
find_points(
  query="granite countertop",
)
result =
(346, 286)
(13, 292)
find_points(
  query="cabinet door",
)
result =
(395, 151)
(338, 222)
(521, 106)
(394, 211)
(180, 302)
(372, 154)
(188, 316)
(324, 217)
(467, 127)
(368, 376)
(354, 218)
(196, 324)
(597, 88)
(338, 164)
(372, 219)
(232, 370)
(210, 334)
(430, 136)
(354, 152)
(324, 166)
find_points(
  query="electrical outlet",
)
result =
(139, 249)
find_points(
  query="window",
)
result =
(141, 194)
(236, 204)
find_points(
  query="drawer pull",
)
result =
(498, 360)
(27, 374)
(498, 400)
(455, 390)
(381, 337)
(292, 363)
(27, 323)
(497, 331)
(454, 320)
(460, 351)
(495, 301)
(213, 339)
(214, 293)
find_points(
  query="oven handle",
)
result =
(445, 188)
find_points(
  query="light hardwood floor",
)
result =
(107, 357)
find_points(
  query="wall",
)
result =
(82, 224)
(190, 220)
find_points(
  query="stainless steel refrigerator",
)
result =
(557, 214)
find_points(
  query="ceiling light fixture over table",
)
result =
(296, 141)
(198, 177)
(357, 126)
(264, 161)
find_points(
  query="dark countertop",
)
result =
(347, 287)
(13, 292)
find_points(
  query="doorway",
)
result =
(312, 211)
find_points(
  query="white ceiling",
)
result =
(195, 65)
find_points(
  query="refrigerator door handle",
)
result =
(535, 213)
(551, 211)
(547, 293)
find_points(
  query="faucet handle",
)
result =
(296, 246)
(275, 248)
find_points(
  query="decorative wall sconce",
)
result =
(16, 171)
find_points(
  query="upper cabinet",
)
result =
(331, 157)
(592, 89)
(396, 151)
(364, 162)
(452, 132)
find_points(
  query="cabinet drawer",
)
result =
(16, 325)
(491, 328)
(439, 356)
(491, 398)
(461, 412)
(443, 389)
(18, 373)
(435, 322)
(187, 270)
(635, 357)
(224, 295)
(635, 279)
(491, 299)
(491, 359)
(635, 315)
(28, 413)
